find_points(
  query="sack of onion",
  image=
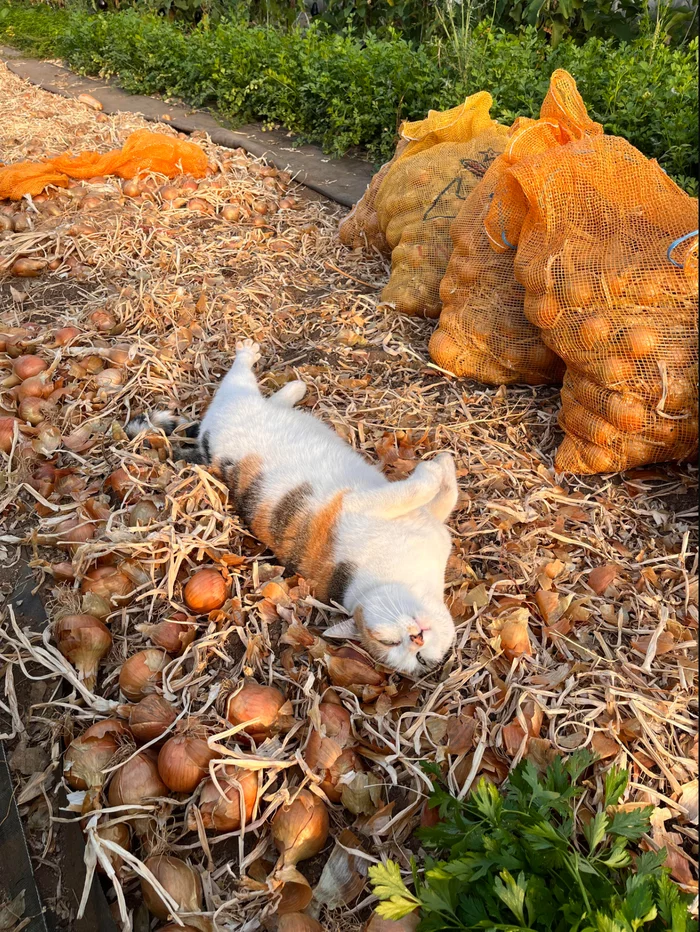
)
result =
(609, 261)
(416, 196)
(483, 332)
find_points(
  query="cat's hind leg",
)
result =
(240, 377)
(290, 394)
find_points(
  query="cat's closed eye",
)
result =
(387, 643)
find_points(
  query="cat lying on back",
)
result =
(377, 548)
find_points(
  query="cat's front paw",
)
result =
(250, 347)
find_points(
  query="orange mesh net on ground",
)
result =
(411, 206)
(607, 251)
(483, 332)
(143, 151)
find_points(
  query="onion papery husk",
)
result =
(90, 753)
(344, 875)
(294, 890)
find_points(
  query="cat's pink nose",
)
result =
(417, 639)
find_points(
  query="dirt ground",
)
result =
(161, 292)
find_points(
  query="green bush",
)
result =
(538, 856)
(345, 92)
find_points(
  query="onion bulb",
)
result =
(35, 410)
(143, 512)
(330, 756)
(298, 922)
(205, 591)
(223, 813)
(142, 672)
(641, 340)
(36, 386)
(179, 879)
(28, 267)
(255, 706)
(84, 640)
(7, 432)
(109, 583)
(150, 718)
(87, 756)
(102, 321)
(74, 531)
(174, 634)
(183, 762)
(300, 829)
(408, 923)
(349, 667)
(136, 782)
(24, 367)
(65, 335)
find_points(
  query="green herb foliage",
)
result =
(345, 92)
(535, 857)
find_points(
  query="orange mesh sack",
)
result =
(143, 151)
(483, 332)
(361, 226)
(607, 252)
(448, 153)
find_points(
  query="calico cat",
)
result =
(377, 548)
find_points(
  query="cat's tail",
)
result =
(169, 423)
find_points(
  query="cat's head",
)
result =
(403, 631)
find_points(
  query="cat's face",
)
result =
(403, 632)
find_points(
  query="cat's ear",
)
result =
(347, 628)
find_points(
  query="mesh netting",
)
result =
(143, 151)
(483, 332)
(361, 226)
(607, 254)
(408, 210)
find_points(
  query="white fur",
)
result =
(393, 532)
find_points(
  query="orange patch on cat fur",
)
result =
(316, 563)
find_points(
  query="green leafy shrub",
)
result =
(536, 858)
(345, 92)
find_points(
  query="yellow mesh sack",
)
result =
(607, 250)
(447, 154)
(143, 151)
(361, 226)
(483, 332)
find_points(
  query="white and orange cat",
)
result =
(377, 548)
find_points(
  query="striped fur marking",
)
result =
(248, 489)
(316, 562)
(341, 577)
(205, 448)
(302, 539)
(287, 508)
